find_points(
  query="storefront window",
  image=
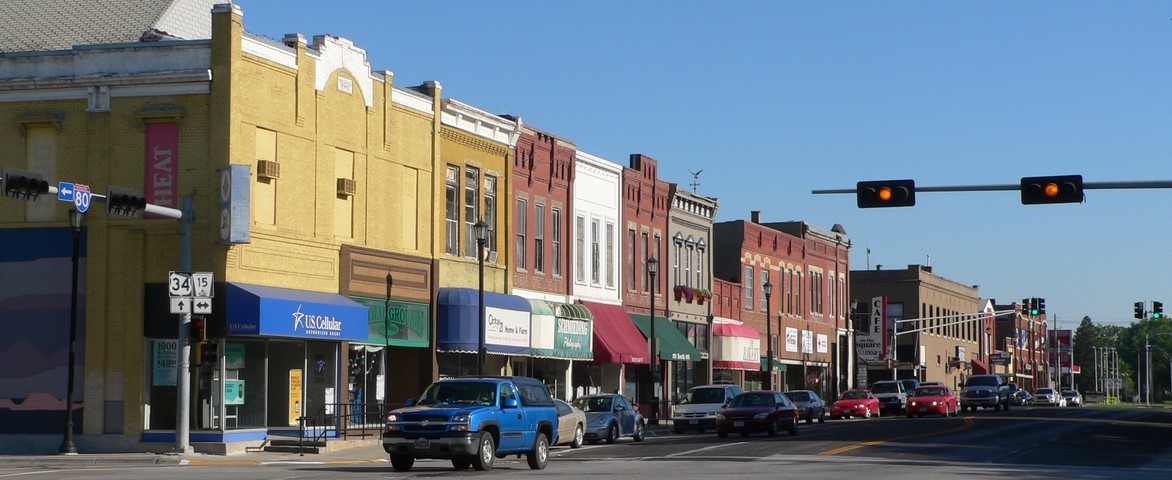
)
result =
(244, 389)
(365, 385)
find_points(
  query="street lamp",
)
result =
(76, 219)
(481, 230)
(652, 271)
(768, 335)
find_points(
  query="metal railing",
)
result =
(344, 421)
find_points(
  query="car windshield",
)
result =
(467, 393)
(704, 395)
(593, 404)
(891, 387)
(1069, 393)
(798, 396)
(752, 400)
(853, 395)
(984, 380)
(929, 392)
(1045, 391)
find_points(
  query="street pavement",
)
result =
(369, 451)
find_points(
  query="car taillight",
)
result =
(796, 413)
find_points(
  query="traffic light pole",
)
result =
(183, 393)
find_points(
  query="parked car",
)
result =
(891, 395)
(854, 402)
(985, 390)
(610, 416)
(698, 409)
(810, 405)
(571, 424)
(933, 399)
(757, 411)
(1073, 398)
(1022, 398)
(473, 421)
(1048, 397)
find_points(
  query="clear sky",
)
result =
(774, 99)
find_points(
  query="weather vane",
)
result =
(695, 179)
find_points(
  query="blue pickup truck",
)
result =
(473, 421)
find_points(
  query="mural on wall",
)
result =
(36, 271)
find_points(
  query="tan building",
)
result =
(938, 323)
(312, 182)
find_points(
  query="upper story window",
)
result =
(595, 253)
(610, 254)
(522, 231)
(471, 207)
(452, 211)
(748, 287)
(539, 237)
(557, 241)
(580, 249)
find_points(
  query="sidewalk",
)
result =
(370, 453)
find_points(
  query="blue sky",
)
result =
(775, 99)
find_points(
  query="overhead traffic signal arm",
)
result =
(24, 185)
(886, 193)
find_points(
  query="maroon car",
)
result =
(757, 411)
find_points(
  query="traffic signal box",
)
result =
(1139, 310)
(1157, 310)
(886, 193)
(197, 330)
(1052, 189)
(24, 185)
(124, 201)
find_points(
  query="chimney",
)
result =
(755, 216)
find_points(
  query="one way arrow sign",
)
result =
(202, 306)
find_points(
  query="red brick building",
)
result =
(808, 270)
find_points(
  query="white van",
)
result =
(700, 405)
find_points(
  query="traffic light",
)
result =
(124, 201)
(1139, 310)
(1052, 189)
(886, 193)
(1040, 306)
(197, 331)
(24, 185)
(1157, 310)
(1033, 306)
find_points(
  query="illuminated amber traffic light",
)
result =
(1051, 189)
(886, 193)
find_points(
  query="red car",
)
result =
(933, 399)
(855, 402)
(757, 411)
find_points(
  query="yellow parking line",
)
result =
(968, 423)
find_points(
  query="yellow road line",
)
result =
(968, 423)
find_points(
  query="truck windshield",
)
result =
(467, 393)
(979, 380)
(880, 387)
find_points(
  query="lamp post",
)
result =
(652, 271)
(481, 230)
(768, 335)
(386, 331)
(76, 219)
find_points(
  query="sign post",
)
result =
(185, 289)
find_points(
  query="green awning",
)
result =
(672, 344)
(408, 325)
(777, 365)
(560, 331)
(575, 311)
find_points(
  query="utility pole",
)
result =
(183, 393)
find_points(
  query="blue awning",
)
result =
(506, 322)
(286, 312)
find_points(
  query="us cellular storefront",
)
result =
(279, 359)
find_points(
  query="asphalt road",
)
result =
(1069, 443)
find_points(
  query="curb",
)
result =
(89, 460)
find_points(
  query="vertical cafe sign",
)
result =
(162, 164)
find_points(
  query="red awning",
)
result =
(616, 338)
(736, 347)
(979, 367)
(734, 330)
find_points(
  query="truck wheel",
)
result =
(639, 431)
(402, 463)
(612, 434)
(539, 457)
(485, 452)
(461, 463)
